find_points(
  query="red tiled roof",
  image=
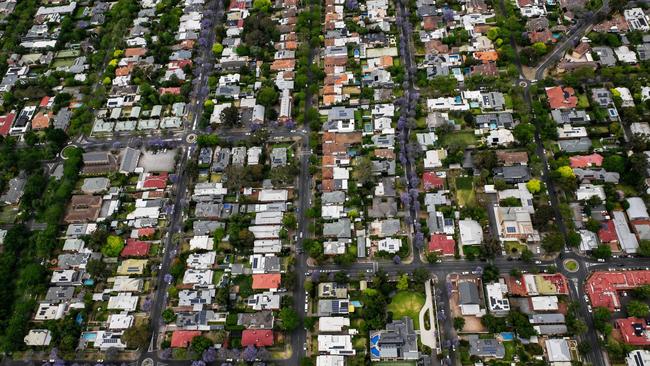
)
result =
(583, 161)
(602, 287)
(146, 231)
(5, 123)
(44, 101)
(630, 335)
(431, 180)
(135, 248)
(156, 181)
(266, 281)
(181, 338)
(559, 97)
(444, 244)
(257, 337)
(607, 233)
(171, 90)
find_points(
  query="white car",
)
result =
(538, 262)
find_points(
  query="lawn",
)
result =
(407, 303)
(464, 138)
(519, 247)
(465, 191)
(571, 265)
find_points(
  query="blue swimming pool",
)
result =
(375, 351)
(507, 336)
(89, 336)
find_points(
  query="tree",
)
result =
(524, 133)
(230, 116)
(642, 292)
(614, 163)
(527, 255)
(217, 48)
(363, 170)
(289, 221)
(403, 282)
(602, 251)
(566, 172)
(602, 317)
(289, 319)
(573, 239)
(421, 275)
(267, 96)
(593, 225)
(459, 323)
(540, 48)
(113, 247)
(490, 273)
(137, 336)
(262, 5)
(534, 186)
(168, 315)
(638, 309)
(200, 344)
(584, 348)
(521, 324)
(494, 324)
(97, 269)
(433, 257)
(553, 242)
(644, 248)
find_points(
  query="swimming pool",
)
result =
(89, 336)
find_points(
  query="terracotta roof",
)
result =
(135, 248)
(5, 123)
(583, 161)
(512, 157)
(146, 232)
(543, 36)
(171, 90)
(42, 120)
(603, 287)
(628, 328)
(430, 180)
(135, 51)
(266, 281)
(559, 97)
(288, 64)
(486, 56)
(444, 244)
(182, 338)
(257, 337)
(158, 181)
(607, 232)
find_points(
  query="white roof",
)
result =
(558, 350)
(120, 321)
(38, 337)
(471, 232)
(332, 323)
(273, 195)
(201, 260)
(48, 311)
(587, 191)
(201, 242)
(544, 303)
(123, 301)
(335, 344)
(127, 284)
(637, 209)
(198, 276)
(330, 360)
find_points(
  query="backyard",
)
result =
(461, 138)
(465, 192)
(407, 303)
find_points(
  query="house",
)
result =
(432, 181)
(257, 337)
(637, 209)
(512, 174)
(494, 121)
(605, 55)
(580, 145)
(495, 293)
(602, 97)
(469, 299)
(626, 96)
(500, 137)
(626, 238)
(328, 307)
(397, 342)
(488, 348)
(38, 338)
(267, 281)
(510, 158)
(586, 161)
(332, 290)
(515, 223)
(257, 320)
(636, 19)
(335, 344)
(471, 232)
(561, 97)
(571, 132)
(16, 190)
(586, 191)
(442, 244)
(558, 351)
(570, 116)
(330, 360)
(433, 158)
(521, 193)
(183, 338)
(625, 55)
(264, 301)
(83, 208)
(638, 357)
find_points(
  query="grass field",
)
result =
(465, 191)
(407, 303)
(464, 138)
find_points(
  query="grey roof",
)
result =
(15, 191)
(62, 119)
(258, 320)
(130, 158)
(95, 185)
(513, 174)
(340, 113)
(335, 197)
(575, 145)
(57, 294)
(382, 208)
(596, 174)
(390, 227)
(551, 318)
(485, 347)
(327, 307)
(602, 96)
(644, 51)
(606, 55)
(397, 341)
(68, 260)
(468, 293)
(551, 329)
(563, 116)
(495, 120)
(339, 229)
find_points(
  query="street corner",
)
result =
(571, 265)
